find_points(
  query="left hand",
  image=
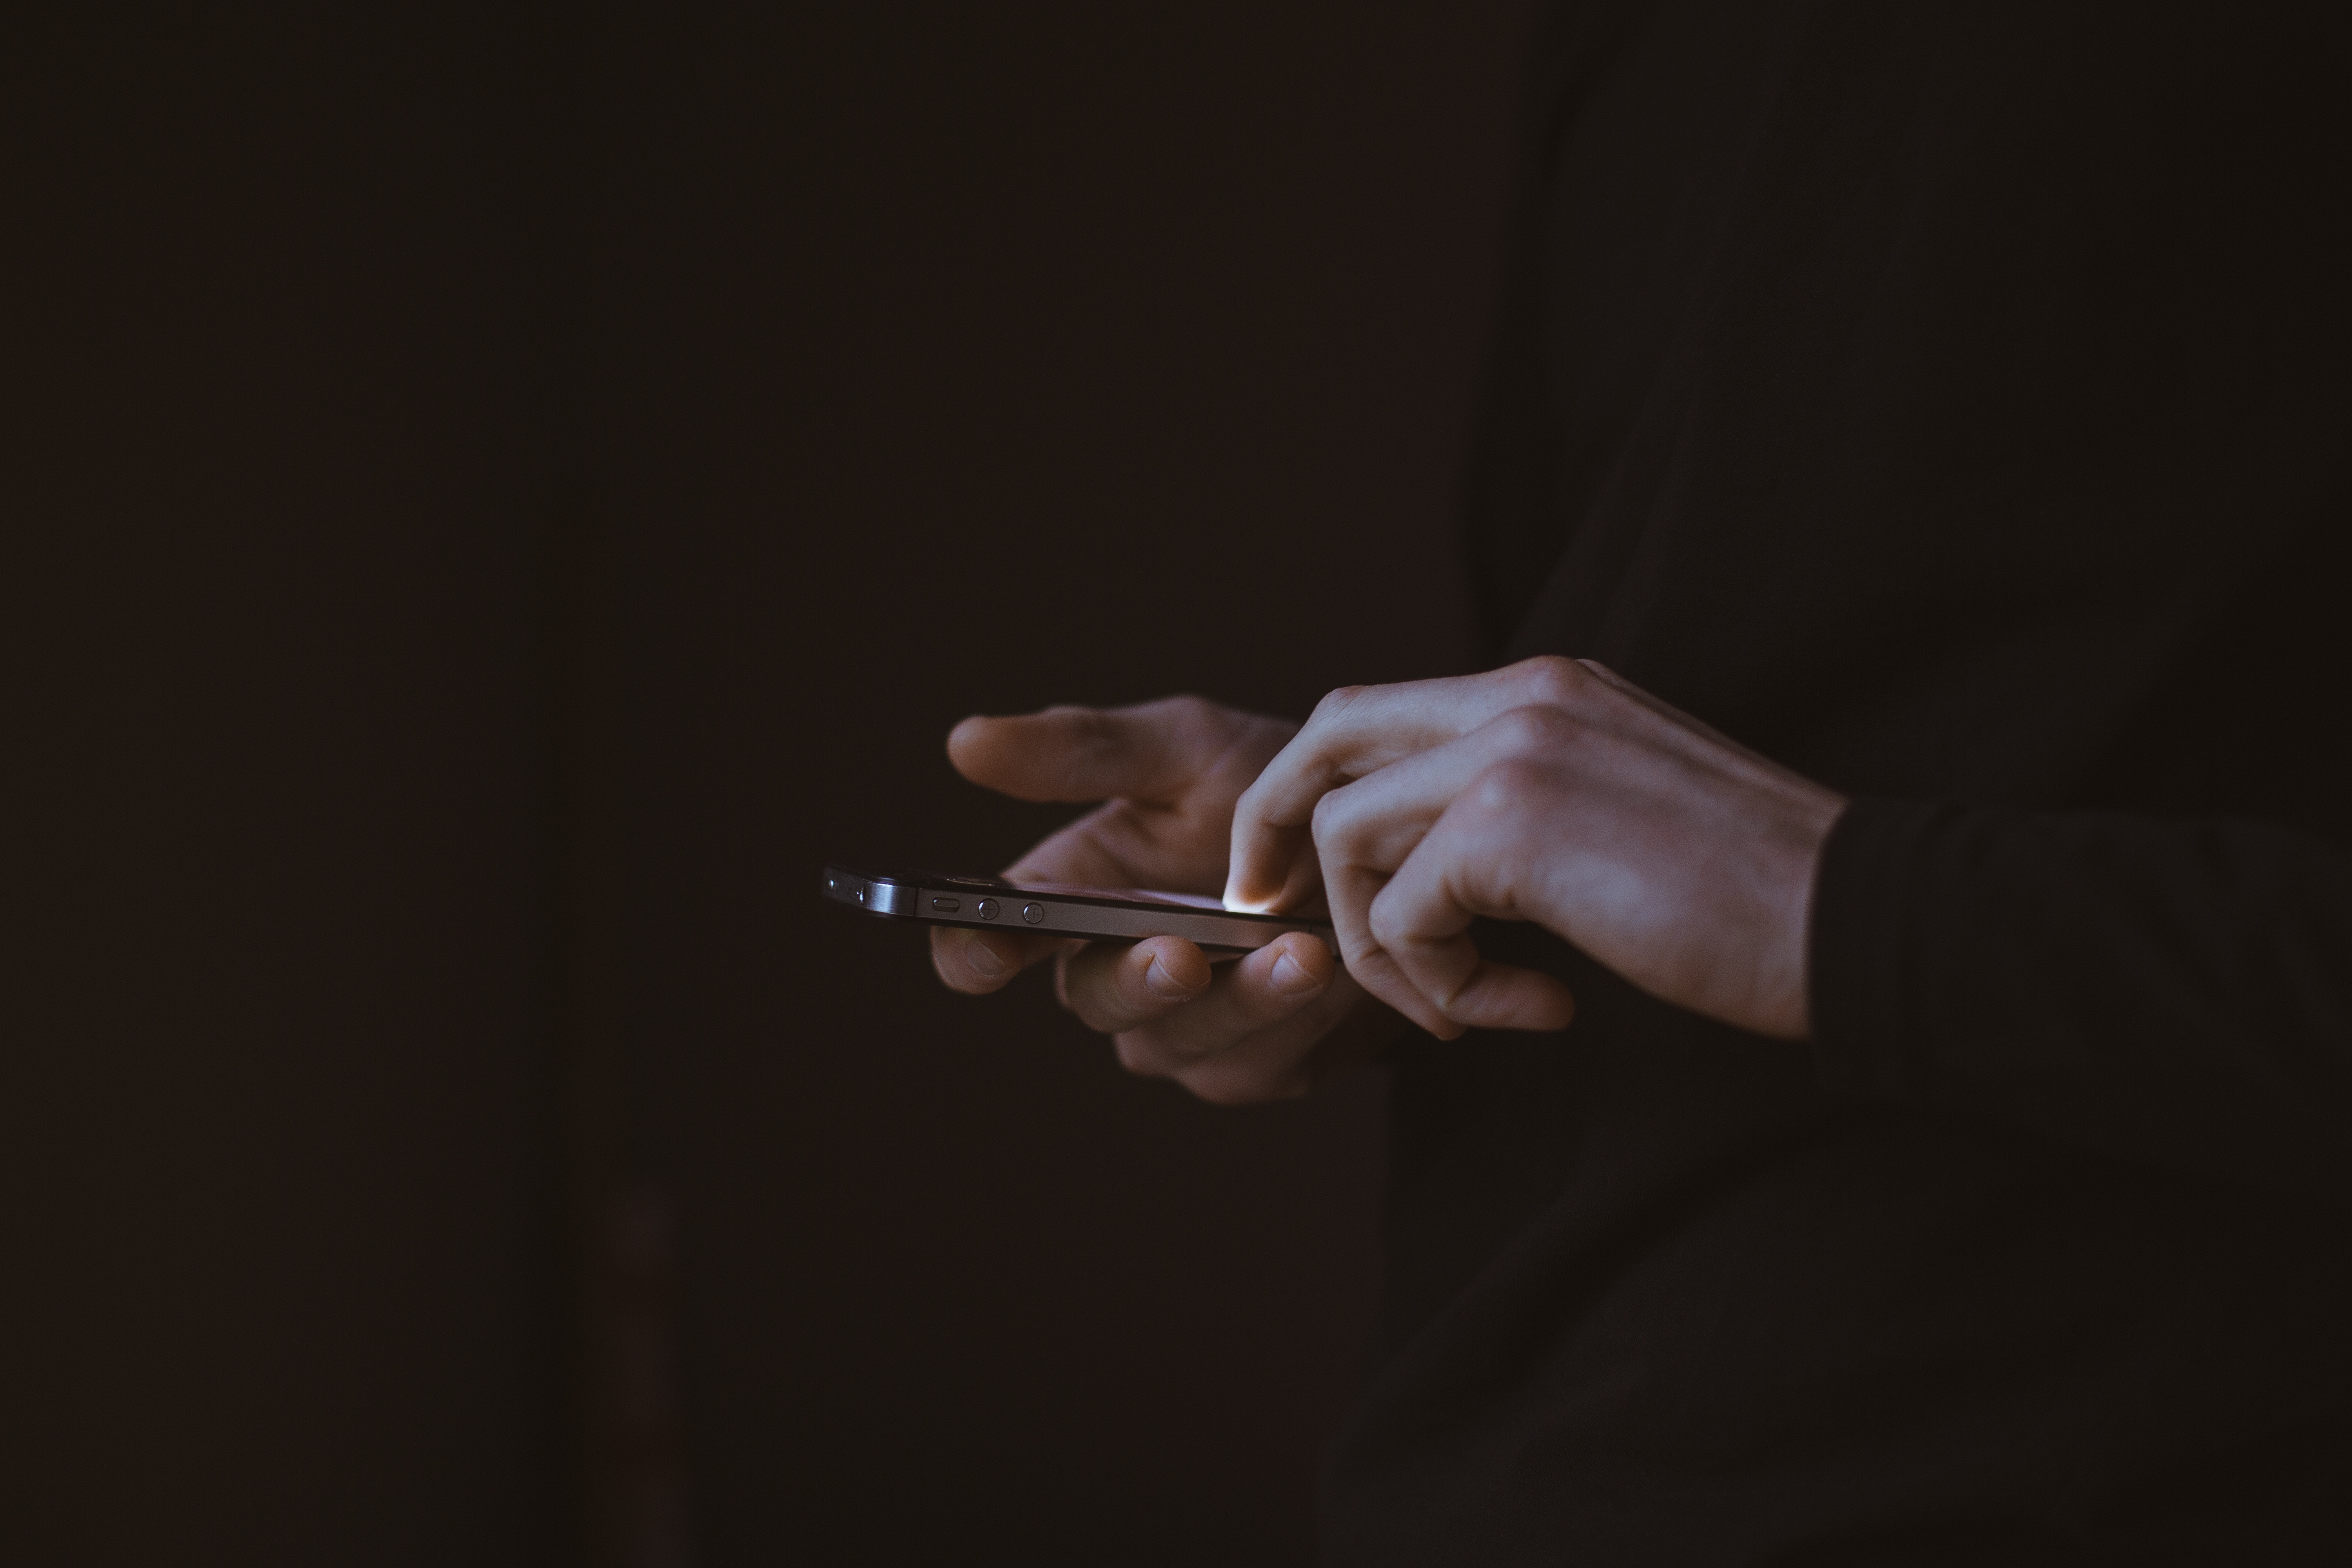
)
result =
(1550, 790)
(1264, 1026)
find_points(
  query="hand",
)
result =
(1555, 791)
(1261, 1027)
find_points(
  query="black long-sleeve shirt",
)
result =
(1951, 401)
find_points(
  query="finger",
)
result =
(1282, 1060)
(1372, 967)
(1379, 820)
(1421, 920)
(1150, 752)
(1264, 989)
(1351, 889)
(1358, 730)
(1113, 988)
(1364, 831)
(977, 962)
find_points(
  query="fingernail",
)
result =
(983, 959)
(1164, 986)
(1290, 978)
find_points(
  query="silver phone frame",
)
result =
(936, 899)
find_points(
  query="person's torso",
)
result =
(1937, 398)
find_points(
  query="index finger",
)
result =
(1360, 730)
(1151, 751)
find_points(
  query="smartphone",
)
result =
(1055, 908)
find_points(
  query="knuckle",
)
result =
(1361, 951)
(1502, 789)
(1386, 922)
(1089, 731)
(1333, 822)
(1187, 712)
(1553, 678)
(1337, 700)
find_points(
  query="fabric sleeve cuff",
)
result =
(1864, 895)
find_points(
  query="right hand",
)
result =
(1262, 1028)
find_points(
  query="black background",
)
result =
(495, 497)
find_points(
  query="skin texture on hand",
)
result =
(1168, 773)
(1550, 790)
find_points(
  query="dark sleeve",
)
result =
(2178, 993)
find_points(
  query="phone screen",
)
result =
(1077, 890)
